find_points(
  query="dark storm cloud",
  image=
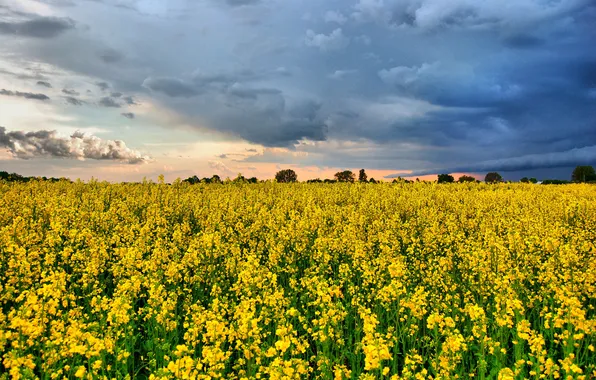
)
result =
(570, 158)
(40, 27)
(44, 143)
(108, 102)
(26, 95)
(128, 115)
(439, 83)
(44, 84)
(173, 87)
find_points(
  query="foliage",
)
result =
(14, 177)
(286, 175)
(296, 281)
(466, 178)
(345, 176)
(493, 177)
(555, 182)
(362, 177)
(445, 178)
(583, 174)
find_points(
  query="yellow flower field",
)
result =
(288, 281)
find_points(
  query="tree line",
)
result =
(581, 174)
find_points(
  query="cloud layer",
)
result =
(26, 145)
(421, 85)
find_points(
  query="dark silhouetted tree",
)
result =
(583, 174)
(533, 180)
(466, 178)
(493, 177)
(362, 177)
(372, 180)
(192, 180)
(345, 176)
(445, 178)
(216, 179)
(286, 175)
(525, 180)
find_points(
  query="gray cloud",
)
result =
(40, 27)
(129, 100)
(44, 84)
(170, 86)
(23, 76)
(128, 115)
(108, 102)
(116, 94)
(70, 92)
(432, 15)
(334, 41)
(111, 56)
(103, 85)
(26, 95)
(73, 101)
(43, 143)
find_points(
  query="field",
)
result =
(284, 281)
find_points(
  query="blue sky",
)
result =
(122, 89)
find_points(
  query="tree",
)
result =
(583, 174)
(239, 178)
(362, 177)
(493, 177)
(525, 180)
(286, 175)
(466, 178)
(372, 180)
(192, 180)
(533, 180)
(445, 178)
(345, 176)
(216, 179)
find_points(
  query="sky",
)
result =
(120, 90)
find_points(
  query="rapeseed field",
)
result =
(297, 281)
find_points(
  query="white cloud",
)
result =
(406, 76)
(336, 17)
(219, 167)
(341, 74)
(334, 41)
